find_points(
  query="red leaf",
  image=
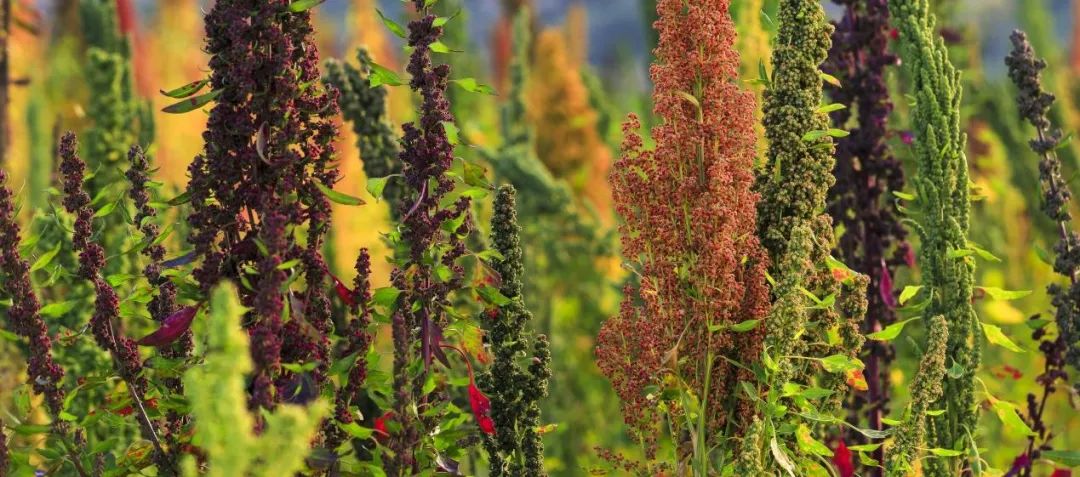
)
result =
(885, 287)
(842, 460)
(380, 426)
(856, 380)
(481, 408)
(343, 292)
(1061, 473)
(171, 328)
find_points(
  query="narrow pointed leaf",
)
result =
(191, 104)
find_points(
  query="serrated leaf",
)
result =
(298, 6)
(45, 258)
(1000, 294)
(376, 185)
(186, 90)
(996, 336)
(890, 332)
(473, 86)
(394, 27)
(191, 104)
(338, 197)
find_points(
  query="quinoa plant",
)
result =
(516, 391)
(818, 303)
(260, 191)
(687, 207)
(1034, 105)
(942, 196)
(873, 239)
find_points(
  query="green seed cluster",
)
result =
(925, 390)
(516, 448)
(942, 195)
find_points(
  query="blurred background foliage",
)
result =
(574, 72)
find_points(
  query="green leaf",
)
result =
(56, 310)
(903, 195)
(357, 431)
(1068, 458)
(489, 255)
(944, 452)
(763, 73)
(473, 86)
(441, 21)
(191, 104)
(186, 90)
(453, 134)
(381, 75)
(985, 255)
(996, 336)
(492, 295)
(475, 174)
(935, 412)
(32, 429)
(814, 135)
(837, 132)
(45, 258)
(959, 253)
(808, 444)
(999, 294)
(180, 199)
(338, 197)
(890, 332)
(839, 363)
(1006, 412)
(288, 264)
(1064, 141)
(392, 25)
(865, 447)
(745, 326)
(440, 47)
(385, 297)
(909, 293)
(890, 422)
(829, 79)
(105, 210)
(828, 108)
(300, 5)
(376, 185)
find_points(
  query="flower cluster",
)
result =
(689, 223)
(873, 242)
(925, 389)
(515, 448)
(1034, 105)
(941, 187)
(365, 107)
(357, 339)
(44, 374)
(257, 182)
